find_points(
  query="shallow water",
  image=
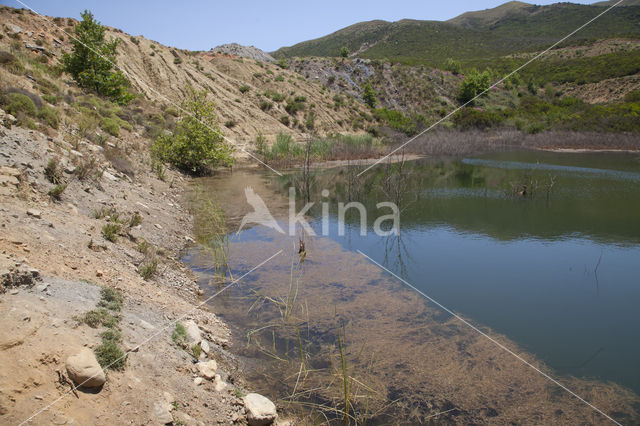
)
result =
(554, 273)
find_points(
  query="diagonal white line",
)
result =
(538, 56)
(162, 330)
(500, 345)
(151, 89)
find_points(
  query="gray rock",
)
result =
(35, 213)
(14, 29)
(194, 335)
(161, 413)
(84, 370)
(204, 345)
(260, 410)
(35, 48)
(250, 52)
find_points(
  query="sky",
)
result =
(268, 25)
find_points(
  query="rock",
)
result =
(35, 213)
(99, 273)
(204, 345)
(70, 169)
(161, 414)
(14, 28)
(84, 370)
(219, 384)
(198, 381)
(208, 369)
(35, 48)
(194, 335)
(109, 176)
(260, 410)
(157, 225)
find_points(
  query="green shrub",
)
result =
(100, 317)
(279, 78)
(633, 96)
(110, 126)
(148, 269)
(292, 107)
(197, 144)
(177, 60)
(53, 171)
(244, 89)
(135, 220)
(111, 298)
(469, 118)
(110, 231)
(20, 103)
(110, 356)
(453, 66)
(49, 115)
(266, 105)
(369, 95)
(179, 335)
(473, 84)
(56, 191)
(285, 120)
(53, 100)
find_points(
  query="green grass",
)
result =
(110, 231)
(56, 191)
(179, 335)
(110, 356)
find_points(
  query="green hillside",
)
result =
(512, 27)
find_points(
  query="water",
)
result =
(556, 271)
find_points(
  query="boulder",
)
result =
(194, 335)
(35, 213)
(84, 370)
(260, 410)
(161, 413)
(208, 369)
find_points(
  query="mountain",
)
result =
(486, 18)
(511, 28)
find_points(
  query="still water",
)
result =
(542, 248)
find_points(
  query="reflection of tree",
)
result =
(396, 254)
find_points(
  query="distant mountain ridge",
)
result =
(510, 28)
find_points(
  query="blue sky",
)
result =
(201, 25)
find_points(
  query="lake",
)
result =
(540, 250)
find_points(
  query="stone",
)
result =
(14, 28)
(84, 370)
(260, 410)
(204, 345)
(208, 369)
(35, 213)
(198, 381)
(35, 48)
(157, 225)
(70, 169)
(161, 414)
(99, 273)
(194, 335)
(109, 176)
(219, 384)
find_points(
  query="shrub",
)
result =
(177, 60)
(279, 78)
(197, 143)
(292, 107)
(88, 169)
(110, 231)
(179, 335)
(49, 115)
(453, 66)
(149, 269)
(285, 120)
(91, 61)
(135, 220)
(265, 105)
(633, 96)
(469, 118)
(56, 192)
(111, 298)
(110, 126)
(19, 103)
(110, 356)
(11, 63)
(473, 84)
(52, 99)
(53, 171)
(369, 95)
(244, 89)
(344, 52)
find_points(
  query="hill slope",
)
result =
(510, 28)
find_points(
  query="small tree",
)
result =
(197, 143)
(370, 95)
(453, 66)
(474, 83)
(344, 52)
(91, 62)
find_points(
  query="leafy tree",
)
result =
(91, 62)
(197, 143)
(344, 52)
(370, 95)
(473, 84)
